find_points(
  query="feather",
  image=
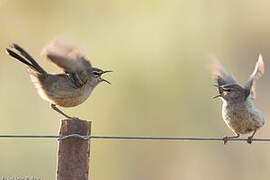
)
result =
(66, 56)
(220, 75)
(256, 74)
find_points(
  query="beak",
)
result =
(217, 96)
(105, 79)
(106, 72)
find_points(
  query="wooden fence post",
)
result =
(74, 152)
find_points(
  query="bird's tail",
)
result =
(25, 58)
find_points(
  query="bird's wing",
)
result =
(220, 75)
(256, 74)
(66, 56)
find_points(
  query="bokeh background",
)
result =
(161, 86)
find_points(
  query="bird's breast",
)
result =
(243, 117)
(71, 97)
(61, 91)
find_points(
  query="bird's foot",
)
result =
(225, 139)
(249, 139)
(74, 118)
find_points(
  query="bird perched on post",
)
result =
(67, 89)
(238, 111)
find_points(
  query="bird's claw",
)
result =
(225, 139)
(75, 118)
(249, 140)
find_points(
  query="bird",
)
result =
(69, 88)
(238, 110)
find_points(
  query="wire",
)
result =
(127, 138)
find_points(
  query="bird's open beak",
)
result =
(217, 96)
(106, 72)
(105, 79)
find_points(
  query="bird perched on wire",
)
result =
(67, 89)
(238, 111)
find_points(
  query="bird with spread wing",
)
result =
(238, 111)
(67, 89)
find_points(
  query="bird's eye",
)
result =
(95, 73)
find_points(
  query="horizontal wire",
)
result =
(130, 138)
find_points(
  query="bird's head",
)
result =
(232, 93)
(94, 74)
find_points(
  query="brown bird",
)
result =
(238, 111)
(68, 89)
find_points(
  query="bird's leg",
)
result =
(53, 106)
(249, 140)
(226, 138)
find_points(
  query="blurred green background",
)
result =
(161, 86)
